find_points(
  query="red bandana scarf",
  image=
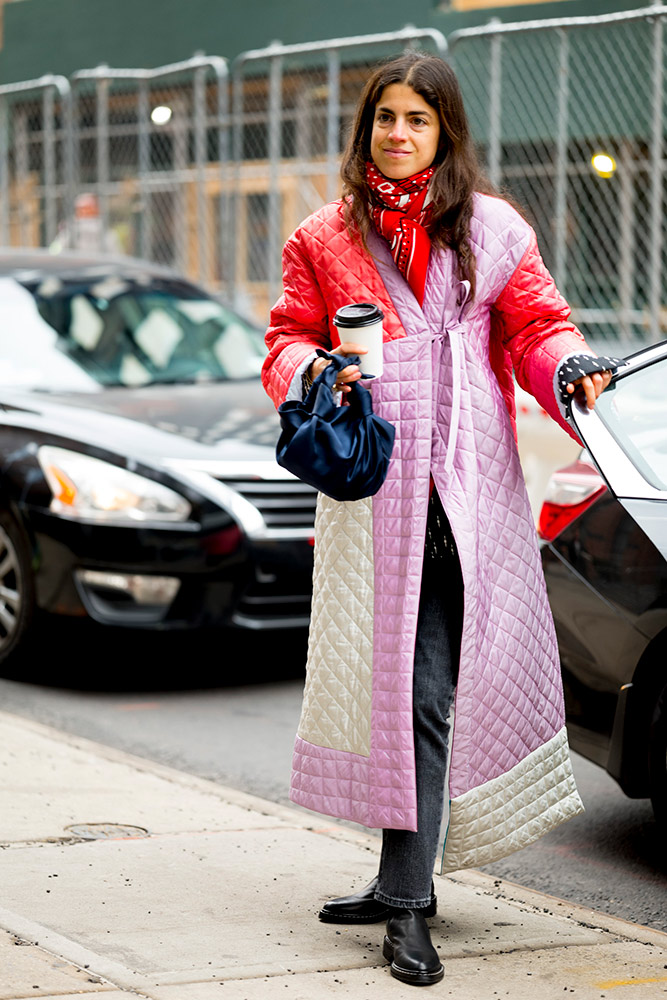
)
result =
(399, 215)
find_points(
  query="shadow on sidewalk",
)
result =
(83, 656)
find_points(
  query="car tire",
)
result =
(17, 587)
(658, 760)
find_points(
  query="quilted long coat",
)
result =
(447, 387)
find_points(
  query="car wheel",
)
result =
(658, 760)
(17, 590)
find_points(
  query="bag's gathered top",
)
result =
(399, 214)
(342, 451)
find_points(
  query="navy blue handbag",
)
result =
(342, 451)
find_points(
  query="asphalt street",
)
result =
(227, 710)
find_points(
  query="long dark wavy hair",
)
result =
(457, 171)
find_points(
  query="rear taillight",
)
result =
(570, 492)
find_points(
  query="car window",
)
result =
(634, 409)
(82, 334)
(29, 354)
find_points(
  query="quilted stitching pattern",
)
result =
(509, 699)
(336, 709)
(323, 270)
(380, 791)
(509, 812)
(525, 324)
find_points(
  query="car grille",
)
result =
(283, 503)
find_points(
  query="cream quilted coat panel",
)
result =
(336, 709)
(511, 811)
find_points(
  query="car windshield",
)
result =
(634, 409)
(68, 334)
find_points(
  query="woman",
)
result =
(432, 588)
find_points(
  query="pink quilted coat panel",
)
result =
(447, 388)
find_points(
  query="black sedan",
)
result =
(604, 525)
(139, 486)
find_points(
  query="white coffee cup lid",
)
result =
(358, 314)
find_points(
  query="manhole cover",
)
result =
(106, 831)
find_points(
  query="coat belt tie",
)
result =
(454, 331)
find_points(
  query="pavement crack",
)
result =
(42, 842)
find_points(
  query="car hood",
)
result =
(204, 421)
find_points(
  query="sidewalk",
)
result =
(220, 899)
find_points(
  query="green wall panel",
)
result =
(61, 36)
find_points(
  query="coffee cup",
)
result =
(361, 323)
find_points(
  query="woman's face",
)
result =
(405, 132)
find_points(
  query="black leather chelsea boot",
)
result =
(363, 908)
(408, 947)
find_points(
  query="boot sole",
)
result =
(405, 975)
(328, 917)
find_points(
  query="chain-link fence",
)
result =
(292, 108)
(151, 155)
(184, 166)
(36, 160)
(569, 114)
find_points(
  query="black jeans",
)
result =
(408, 859)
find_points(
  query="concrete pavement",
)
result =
(218, 899)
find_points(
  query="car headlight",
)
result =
(94, 490)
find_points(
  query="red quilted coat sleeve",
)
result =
(531, 320)
(298, 323)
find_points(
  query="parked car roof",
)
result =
(15, 260)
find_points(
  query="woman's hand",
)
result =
(592, 385)
(346, 375)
